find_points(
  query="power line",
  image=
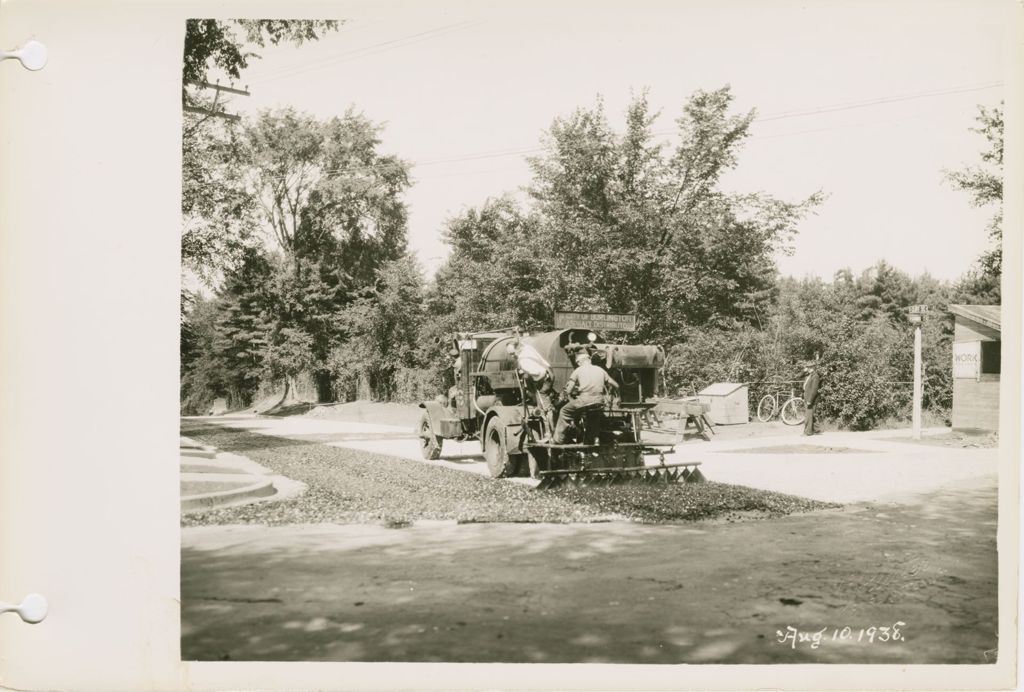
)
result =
(866, 103)
(784, 115)
(356, 52)
(211, 113)
(365, 51)
(218, 87)
(879, 101)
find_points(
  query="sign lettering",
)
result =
(967, 359)
(597, 321)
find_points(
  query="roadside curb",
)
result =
(199, 453)
(228, 498)
(248, 481)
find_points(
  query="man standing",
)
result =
(538, 378)
(588, 383)
(811, 383)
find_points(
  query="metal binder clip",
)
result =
(32, 55)
(32, 609)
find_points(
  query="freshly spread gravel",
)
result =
(352, 486)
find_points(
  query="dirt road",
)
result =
(616, 592)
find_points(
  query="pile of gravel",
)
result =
(353, 486)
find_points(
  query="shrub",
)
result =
(413, 385)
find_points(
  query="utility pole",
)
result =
(917, 313)
(212, 110)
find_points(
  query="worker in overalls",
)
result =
(586, 387)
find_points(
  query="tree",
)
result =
(323, 188)
(218, 211)
(639, 226)
(223, 345)
(984, 184)
(623, 223)
(332, 207)
(202, 372)
(494, 276)
(383, 328)
(227, 44)
(883, 291)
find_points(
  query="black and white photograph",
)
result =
(492, 345)
(579, 333)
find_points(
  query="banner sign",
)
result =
(967, 360)
(596, 321)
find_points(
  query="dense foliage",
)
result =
(300, 224)
(326, 207)
(624, 223)
(984, 184)
(858, 330)
(216, 205)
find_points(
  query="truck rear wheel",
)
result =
(430, 444)
(498, 461)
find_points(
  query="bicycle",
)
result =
(792, 412)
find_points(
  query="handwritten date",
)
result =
(867, 635)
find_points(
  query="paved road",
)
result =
(880, 467)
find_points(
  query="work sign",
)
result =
(596, 321)
(966, 359)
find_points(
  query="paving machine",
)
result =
(495, 402)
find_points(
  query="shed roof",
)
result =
(988, 315)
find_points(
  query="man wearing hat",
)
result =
(811, 383)
(585, 388)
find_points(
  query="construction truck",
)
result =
(495, 402)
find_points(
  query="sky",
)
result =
(866, 101)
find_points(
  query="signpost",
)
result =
(596, 321)
(917, 314)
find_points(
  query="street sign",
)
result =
(597, 321)
(918, 309)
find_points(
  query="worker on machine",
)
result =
(539, 381)
(585, 388)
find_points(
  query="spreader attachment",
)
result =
(661, 474)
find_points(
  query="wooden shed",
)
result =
(728, 403)
(977, 349)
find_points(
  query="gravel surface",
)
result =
(352, 486)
